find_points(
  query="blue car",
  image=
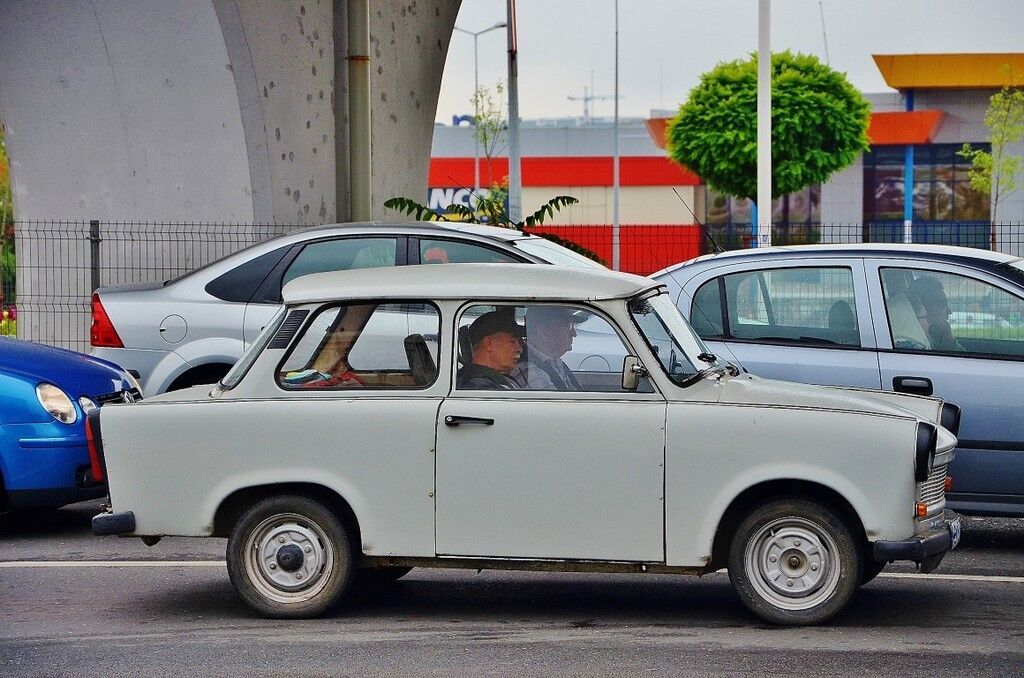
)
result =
(45, 395)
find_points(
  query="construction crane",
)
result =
(586, 99)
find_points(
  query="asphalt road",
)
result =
(180, 616)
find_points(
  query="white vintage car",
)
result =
(342, 449)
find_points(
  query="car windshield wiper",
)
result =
(721, 368)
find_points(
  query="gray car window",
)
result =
(939, 312)
(341, 255)
(814, 306)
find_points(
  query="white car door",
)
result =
(547, 474)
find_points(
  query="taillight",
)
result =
(95, 442)
(102, 332)
(948, 484)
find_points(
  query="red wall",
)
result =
(642, 249)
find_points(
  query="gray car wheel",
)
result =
(290, 557)
(794, 562)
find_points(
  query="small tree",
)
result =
(995, 172)
(819, 125)
(6, 240)
(490, 119)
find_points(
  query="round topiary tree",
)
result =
(819, 124)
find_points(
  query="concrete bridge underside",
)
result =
(207, 111)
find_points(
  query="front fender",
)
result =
(716, 452)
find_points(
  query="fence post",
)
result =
(94, 254)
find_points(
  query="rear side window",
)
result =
(240, 283)
(811, 306)
(342, 255)
(365, 346)
(706, 316)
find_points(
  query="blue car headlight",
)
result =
(57, 403)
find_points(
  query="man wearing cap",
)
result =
(550, 331)
(496, 339)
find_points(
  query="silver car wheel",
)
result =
(793, 563)
(288, 558)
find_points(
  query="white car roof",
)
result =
(466, 281)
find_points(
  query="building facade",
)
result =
(667, 214)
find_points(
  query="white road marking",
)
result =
(954, 577)
(12, 564)
(111, 563)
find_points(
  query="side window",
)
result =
(365, 346)
(539, 347)
(949, 313)
(706, 312)
(341, 255)
(452, 252)
(812, 306)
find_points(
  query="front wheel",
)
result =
(290, 557)
(795, 562)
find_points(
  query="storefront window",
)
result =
(942, 190)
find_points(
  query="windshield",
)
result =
(553, 253)
(670, 337)
(236, 373)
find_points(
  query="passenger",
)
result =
(496, 339)
(929, 292)
(550, 332)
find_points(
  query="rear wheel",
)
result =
(872, 568)
(795, 561)
(290, 557)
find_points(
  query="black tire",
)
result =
(795, 562)
(289, 557)
(872, 568)
(374, 577)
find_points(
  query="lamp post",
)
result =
(476, 101)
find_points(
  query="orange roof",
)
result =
(951, 71)
(904, 127)
(897, 127)
(658, 129)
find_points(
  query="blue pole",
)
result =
(908, 182)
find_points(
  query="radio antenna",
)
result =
(707, 234)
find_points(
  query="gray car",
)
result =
(190, 330)
(931, 320)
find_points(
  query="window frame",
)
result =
(522, 394)
(861, 310)
(362, 389)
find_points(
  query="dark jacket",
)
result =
(482, 377)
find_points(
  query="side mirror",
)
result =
(632, 372)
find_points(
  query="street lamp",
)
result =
(476, 101)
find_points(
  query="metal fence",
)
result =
(46, 297)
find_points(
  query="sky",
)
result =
(664, 45)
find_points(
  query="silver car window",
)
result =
(341, 255)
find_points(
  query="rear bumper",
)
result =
(105, 524)
(926, 548)
(53, 498)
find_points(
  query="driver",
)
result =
(496, 339)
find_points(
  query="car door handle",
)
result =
(915, 385)
(455, 420)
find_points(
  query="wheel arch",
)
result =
(778, 489)
(198, 374)
(231, 508)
